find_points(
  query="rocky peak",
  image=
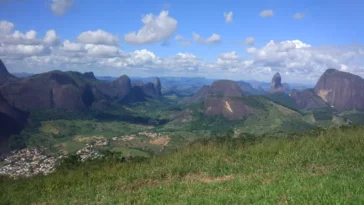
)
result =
(276, 84)
(4, 74)
(341, 90)
(218, 100)
(3, 69)
(123, 81)
(307, 99)
(12, 120)
(276, 81)
(158, 86)
(226, 88)
(89, 75)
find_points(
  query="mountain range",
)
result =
(187, 100)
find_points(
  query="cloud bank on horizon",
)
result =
(108, 52)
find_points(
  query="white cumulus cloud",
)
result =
(60, 7)
(266, 13)
(214, 38)
(20, 45)
(21, 51)
(299, 16)
(249, 41)
(6, 27)
(51, 38)
(155, 29)
(228, 17)
(182, 41)
(295, 59)
(98, 37)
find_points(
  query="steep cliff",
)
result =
(341, 90)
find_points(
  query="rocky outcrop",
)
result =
(149, 90)
(116, 90)
(307, 99)
(276, 84)
(223, 97)
(341, 90)
(220, 88)
(122, 91)
(54, 89)
(73, 91)
(12, 120)
(5, 76)
(200, 95)
(158, 86)
(89, 75)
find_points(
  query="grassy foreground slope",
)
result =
(323, 167)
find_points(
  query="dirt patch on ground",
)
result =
(79, 138)
(268, 179)
(207, 179)
(316, 169)
(60, 145)
(127, 137)
(163, 141)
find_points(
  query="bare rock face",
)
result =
(149, 90)
(54, 89)
(5, 76)
(137, 83)
(276, 84)
(226, 88)
(117, 90)
(141, 93)
(341, 90)
(12, 120)
(200, 95)
(89, 75)
(122, 85)
(307, 99)
(222, 98)
(231, 109)
(158, 86)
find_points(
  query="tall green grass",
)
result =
(323, 167)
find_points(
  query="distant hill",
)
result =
(249, 89)
(22, 75)
(219, 99)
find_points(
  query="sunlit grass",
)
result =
(323, 169)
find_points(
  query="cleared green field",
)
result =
(322, 167)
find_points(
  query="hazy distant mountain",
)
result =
(22, 75)
(106, 78)
(266, 85)
(249, 89)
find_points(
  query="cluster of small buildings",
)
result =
(33, 161)
(28, 162)
(89, 153)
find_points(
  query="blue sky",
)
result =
(329, 27)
